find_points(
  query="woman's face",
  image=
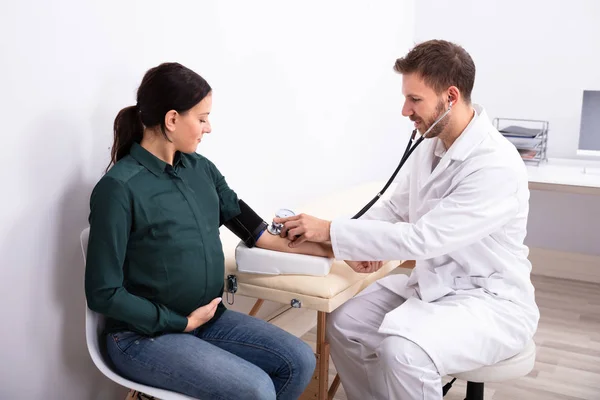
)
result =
(190, 127)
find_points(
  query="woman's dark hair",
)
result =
(169, 86)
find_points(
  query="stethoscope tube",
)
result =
(405, 156)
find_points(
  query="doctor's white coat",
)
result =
(470, 301)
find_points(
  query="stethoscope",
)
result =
(407, 153)
(275, 229)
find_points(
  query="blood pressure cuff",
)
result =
(248, 226)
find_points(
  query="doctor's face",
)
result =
(423, 105)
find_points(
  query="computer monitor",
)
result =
(589, 131)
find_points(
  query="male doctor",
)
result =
(461, 213)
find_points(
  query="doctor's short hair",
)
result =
(441, 64)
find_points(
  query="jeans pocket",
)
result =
(124, 340)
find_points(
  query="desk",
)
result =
(571, 177)
(566, 175)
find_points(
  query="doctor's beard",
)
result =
(439, 128)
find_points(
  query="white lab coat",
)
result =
(470, 301)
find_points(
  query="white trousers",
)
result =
(377, 366)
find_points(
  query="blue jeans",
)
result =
(234, 357)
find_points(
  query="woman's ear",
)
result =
(171, 118)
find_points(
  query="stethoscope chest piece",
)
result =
(274, 228)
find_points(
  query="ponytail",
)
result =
(168, 86)
(128, 129)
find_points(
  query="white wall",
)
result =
(307, 87)
(533, 58)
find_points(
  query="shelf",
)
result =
(530, 137)
(521, 132)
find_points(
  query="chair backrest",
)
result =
(94, 325)
(94, 322)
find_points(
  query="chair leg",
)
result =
(474, 391)
(132, 395)
(135, 395)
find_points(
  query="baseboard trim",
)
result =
(565, 265)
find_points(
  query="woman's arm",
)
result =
(229, 208)
(277, 243)
(110, 223)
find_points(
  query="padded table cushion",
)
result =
(267, 262)
(314, 292)
(321, 293)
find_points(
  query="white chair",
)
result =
(94, 324)
(513, 368)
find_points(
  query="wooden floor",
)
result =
(568, 348)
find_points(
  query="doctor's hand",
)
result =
(365, 267)
(302, 228)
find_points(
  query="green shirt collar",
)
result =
(153, 163)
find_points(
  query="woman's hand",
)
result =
(202, 315)
(365, 267)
